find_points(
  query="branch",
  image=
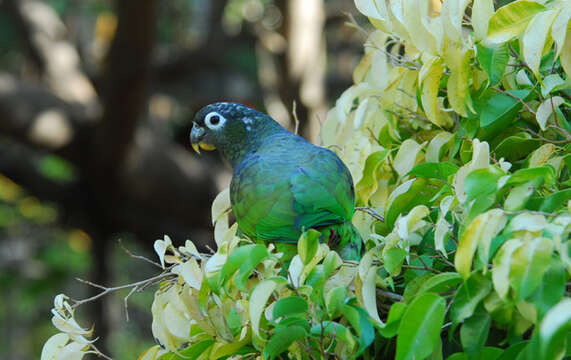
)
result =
(371, 211)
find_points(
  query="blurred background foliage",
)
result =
(96, 103)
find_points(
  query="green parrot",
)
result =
(282, 184)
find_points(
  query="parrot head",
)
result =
(229, 127)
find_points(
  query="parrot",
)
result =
(282, 185)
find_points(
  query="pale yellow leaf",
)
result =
(482, 11)
(369, 294)
(295, 271)
(527, 310)
(362, 69)
(560, 27)
(161, 247)
(564, 254)
(480, 160)
(416, 19)
(550, 82)
(412, 221)
(479, 233)
(458, 83)
(452, 17)
(378, 75)
(190, 272)
(73, 351)
(258, 299)
(535, 36)
(406, 156)
(502, 264)
(54, 346)
(540, 156)
(510, 20)
(545, 110)
(430, 75)
(152, 353)
(442, 229)
(406, 94)
(221, 229)
(436, 144)
(177, 322)
(376, 11)
(565, 54)
(527, 221)
(221, 205)
(522, 79)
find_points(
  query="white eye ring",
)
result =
(214, 120)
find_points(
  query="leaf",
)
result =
(192, 352)
(441, 234)
(481, 182)
(519, 195)
(307, 245)
(479, 233)
(560, 28)
(565, 54)
(555, 201)
(441, 141)
(434, 170)
(494, 61)
(396, 313)
(291, 305)
(54, 346)
(502, 264)
(540, 156)
(554, 329)
(406, 196)
(416, 21)
(551, 83)
(474, 332)
(438, 283)
(534, 38)
(482, 11)
(551, 288)
(458, 85)
(420, 327)
(336, 330)
(191, 273)
(545, 110)
(547, 173)
(469, 295)
(221, 205)
(369, 294)
(359, 320)
(282, 338)
(529, 263)
(429, 77)
(369, 182)
(406, 156)
(516, 147)
(393, 259)
(510, 20)
(334, 300)
(258, 299)
(500, 110)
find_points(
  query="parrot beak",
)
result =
(196, 135)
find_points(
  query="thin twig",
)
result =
(99, 353)
(546, 139)
(107, 290)
(515, 97)
(389, 295)
(140, 257)
(295, 119)
(371, 211)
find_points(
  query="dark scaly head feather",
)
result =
(234, 129)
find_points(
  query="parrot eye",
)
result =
(214, 120)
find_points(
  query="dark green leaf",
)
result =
(481, 182)
(468, 296)
(551, 288)
(546, 172)
(434, 170)
(516, 147)
(493, 61)
(555, 201)
(440, 283)
(282, 338)
(291, 305)
(474, 332)
(393, 321)
(420, 327)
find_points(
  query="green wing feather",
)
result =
(274, 198)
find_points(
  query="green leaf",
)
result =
(334, 300)
(519, 195)
(468, 296)
(438, 283)
(513, 351)
(554, 329)
(57, 169)
(511, 20)
(494, 61)
(516, 147)
(257, 254)
(555, 201)
(191, 352)
(369, 182)
(236, 259)
(551, 288)
(408, 195)
(529, 263)
(502, 265)
(359, 320)
(336, 330)
(434, 170)
(282, 338)
(393, 321)
(420, 327)
(393, 260)
(307, 245)
(481, 182)
(291, 305)
(474, 332)
(413, 286)
(497, 111)
(546, 172)
(258, 299)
